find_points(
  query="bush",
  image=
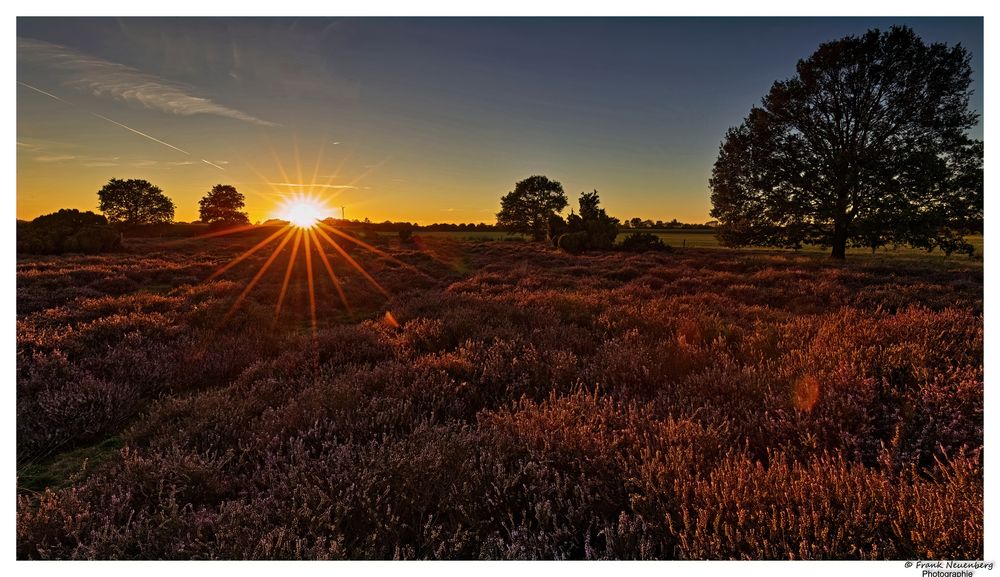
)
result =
(68, 230)
(406, 235)
(92, 240)
(595, 229)
(573, 242)
(642, 242)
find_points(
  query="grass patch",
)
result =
(57, 472)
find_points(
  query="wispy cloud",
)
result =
(124, 83)
(54, 158)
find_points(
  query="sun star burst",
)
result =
(302, 211)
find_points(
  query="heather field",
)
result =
(499, 400)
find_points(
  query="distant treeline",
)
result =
(391, 226)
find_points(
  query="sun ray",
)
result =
(373, 249)
(281, 167)
(298, 158)
(336, 173)
(288, 274)
(260, 273)
(274, 190)
(319, 162)
(307, 238)
(213, 234)
(249, 252)
(305, 213)
(370, 170)
(329, 270)
(351, 261)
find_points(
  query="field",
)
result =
(500, 400)
(706, 239)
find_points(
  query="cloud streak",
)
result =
(139, 133)
(123, 83)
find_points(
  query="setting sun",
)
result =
(303, 212)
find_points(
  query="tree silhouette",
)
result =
(134, 201)
(530, 205)
(221, 206)
(866, 145)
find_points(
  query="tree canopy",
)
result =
(867, 145)
(530, 205)
(135, 201)
(221, 206)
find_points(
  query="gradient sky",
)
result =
(416, 119)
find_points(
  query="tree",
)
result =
(601, 229)
(221, 206)
(135, 201)
(530, 205)
(592, 229)
(866, 145)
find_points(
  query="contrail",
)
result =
(143, 134)
(212, 164)
(49, 94)
(140, 133)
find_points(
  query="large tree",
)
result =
(135, 201)
(530, 205)
(221, 206)
(866, 145)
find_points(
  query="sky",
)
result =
(406, 119)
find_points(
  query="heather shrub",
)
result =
(828, 508)
(573, 242)
(502, 401)
(92, 240)
(642, 242)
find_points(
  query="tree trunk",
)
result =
(839, 251)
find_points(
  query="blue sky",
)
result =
(419, 119)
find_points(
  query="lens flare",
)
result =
(805, 393)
